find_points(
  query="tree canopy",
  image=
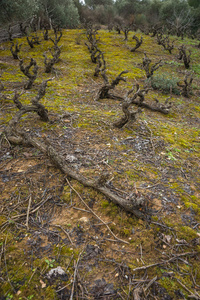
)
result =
(69, 13)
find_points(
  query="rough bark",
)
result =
(50, 62)
(57, 38)
(23, 28)
(13, 134)
(94, 54)
(138, 99)
(101, 64)
(184, 56)
(165, 42)
(150, 69)
(159, 38)
(104, 91)
(10, 33)
(46, 34)
(128, 101)
(157, 28)
(186, 85)
(93, 40)
(126, 30)
(138, 43)
(34, 40)
(26, 71)
(15, 49)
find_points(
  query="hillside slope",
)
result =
(44, 221)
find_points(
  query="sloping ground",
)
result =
(44, 222)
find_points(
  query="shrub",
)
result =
(164, 83)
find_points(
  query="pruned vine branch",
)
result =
(184, 56)
(13, 134)
(26, 71)
(15, 49)
(186, 85)
(34, 40)
(138, 99)
(101, 64)
(148, 68)
(104, 91)
(57, 38)
(50, 62)
(138, 43)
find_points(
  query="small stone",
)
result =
(71, 158)
(84, 220)
(56, 272)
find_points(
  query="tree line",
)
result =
(177, 14)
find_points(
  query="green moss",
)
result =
(195, 207)
(187, 233)
(125, 232)
(109, 208)
(169, 284)
(105, 204)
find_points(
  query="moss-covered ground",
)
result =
(156, 156)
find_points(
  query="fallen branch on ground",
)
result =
(165, 261)
(134, 203)
(95, 213)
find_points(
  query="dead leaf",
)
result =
(43, 284)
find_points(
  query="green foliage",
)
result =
(194, 3)
(93, 3)
(61, 12)
(164, 83)
(65, 14)
(17, 10)
(173, 9)
(50, 262)
(126, 7)
(68, 13)
(153, 11)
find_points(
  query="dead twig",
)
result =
(165, 262)
(192, 295)
(95, 213)
(32, 275)
(28, 211)
(14, 218)
(67, 234)
(6, 268)
(75, 272)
